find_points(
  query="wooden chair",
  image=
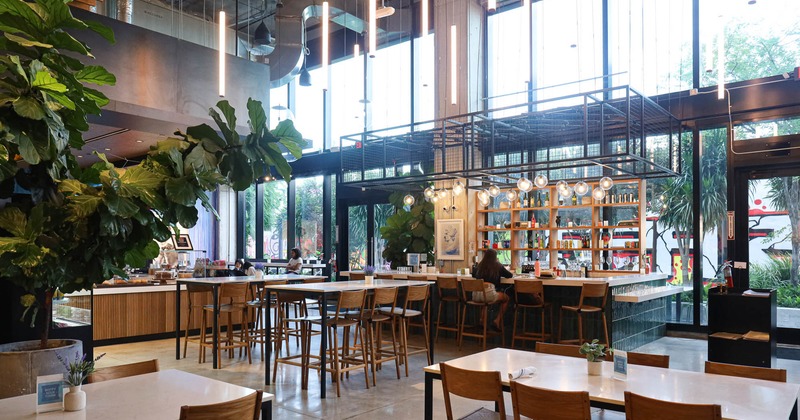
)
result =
(415, 307)
(645, 359)
(285, 327)
(752, 372)
(247, 407)
(374, 319)
(260, 333)
(559, 349)
(588, 291)
(384, 276)
(468, 288)
(638, 407)
(123, 371)
(538, 403)
(447, 289)
(526, 292)
(236, 296)
(193, 294)
(357, 276)
(417, 277)
(475, 385)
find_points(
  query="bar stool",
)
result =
(384, 276)
(236, 294)
(302, 329)
(417, 277)
(529, 294)
(374, 319)
(260, 333)
(194, 293)
(357, 276)
(416, 297)
(588, 291)
(469, 287)
(447, 289)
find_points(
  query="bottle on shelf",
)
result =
(537, 268)
(574, 199)
(546, 200)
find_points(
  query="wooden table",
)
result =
(152, 396)
(325, 290)
(740, 398)
(215, 283)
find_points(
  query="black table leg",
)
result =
(177, 320)
(434, 296)
(428, 396)
(323, 345)
(215, 334)
(266, 409)
(268, 338)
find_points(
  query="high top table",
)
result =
(152, 396)
(325, 290)
(740, 398)
(215, 283)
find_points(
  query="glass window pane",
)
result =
(308, 216)
(760, 39)
(309, 111)
(391, 87)
(250, 222)
(275, 220)
(382, 212)
(714, 205)
(766, 128)
(424, 71)
(357, 237)
(509, 59)
(347, 93)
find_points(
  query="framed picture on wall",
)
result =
(450, 239)
(182, 242)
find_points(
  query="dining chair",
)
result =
(639, 407)
(539, 403)
(373, 320)
(357, 276)
(384, 276)
(194, 294)
(247, 407)
(259, 333)
(475, 385)
(447, 290)
(752, 372)
(529, 295)
(415, 307)
(123, 371)
(232, 299)
(469, 288)
(593, 291)
(646, 359)
(569, 350)
(286, 326)
(417, 277)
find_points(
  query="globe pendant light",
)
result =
(598, 193)
(408, 200)
(581, 189)
(511, 195)
(429, 193)
(540, 181)
(458, 188)
(494, 190)
(565, 193)
(561, 185)
(606, 183)
(524, 184)
(441, 193)
(483, 195)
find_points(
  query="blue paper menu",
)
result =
(620, 365)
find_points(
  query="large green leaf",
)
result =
(11, 244)
(25, 42)
(62, 99)
(84, 205)
(96, 96)
(180, 191)
(258, 118)
(230, 134)
(199, 160)
(56, 13)
(238, 170)
(210, 139)
(29, 108)
(101, 30)
(293, 147)
(26, 18)
(187, 216)
(63, 40)
(274, 153)
(139, 256)
(138, 181)
(45, 81)
(96, 75)
(229, 113)
(120, 206)
(13, 220)
(28, 150)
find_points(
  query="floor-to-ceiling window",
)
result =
(275, 232)
(308, 216)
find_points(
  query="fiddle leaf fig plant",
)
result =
(64, 227)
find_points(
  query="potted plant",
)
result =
(369, 272)
(65, 227)
(595, 354)
(77, 372)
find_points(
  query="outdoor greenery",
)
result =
(408, 231)
(776, 274)
(67, 227)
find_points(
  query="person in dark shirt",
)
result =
(490, 271)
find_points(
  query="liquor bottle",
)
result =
(537, 268)
(574, 200)
(546, 200)
(535, 243)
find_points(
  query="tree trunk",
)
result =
(791, 188)
(46, 318)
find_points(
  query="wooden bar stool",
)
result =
(236, 294)
(357, 276)
(470, 288)
(374, 319)
(260, 333)
(529, 294)
(194, 294)
(447, 288)
(588, 291)
(384, 276)
(415, 307)
(301, 329)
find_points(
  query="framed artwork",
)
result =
(182, 242)
(450, 239)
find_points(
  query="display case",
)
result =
(743, 326)
(72, 310)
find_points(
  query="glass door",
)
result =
(357, 235)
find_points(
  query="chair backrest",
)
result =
(472, 384)
(417, 277)
(644, 408)
(559, 349)
(385, 296)
(752, 372)
(384, 276)
(310, 281)
(198, 288)
(446, 283)
(123, 371)
(247, 407)
(538, 403)
(472, 285)
(357, 276)
(350, 301)
(416, 298)
(645, 359)
(234, 292)
(530, 288)
(594, 290)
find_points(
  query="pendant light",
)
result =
(511, 195)
(429, 193)
(606, 183)
(458, 188)
(221, 53)
(441, 194)
(562, 185)
(484, 196)
(325, 40)
(540, 181)
(524, 184)
(408, 200)
(598, 193)
(565, 193)
(581, 189)
(494, 190)
(373, 28)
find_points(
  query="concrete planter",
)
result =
(23, 361)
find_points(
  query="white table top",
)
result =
(339, 286)
(612, 281)
(158, 395)
(740, 398)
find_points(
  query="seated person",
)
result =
(295, 263)
(490, 271)
(238, 268)
(248, 269)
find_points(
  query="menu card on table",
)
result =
(620, 365)
(49, 393)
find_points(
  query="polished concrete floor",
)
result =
(391, 398)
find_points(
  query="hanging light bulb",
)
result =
(565, 193)
(429, 193)
(434, 199)
(524, 184)
(581, 189)
(483, 195)
(561, 185)
(222, 28)
(494, 190)
(453, 65)
(325, 48)
(491, 5)
(606, 183)
(598, 193)
(540, 181)
(372, 30)
(511, 195)
(442, 193)
(458, 188)
(408, 200)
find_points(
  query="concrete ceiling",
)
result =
(117, 143)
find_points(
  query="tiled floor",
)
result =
(391, 398)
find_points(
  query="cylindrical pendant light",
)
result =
(325, 40)
(373, 28)
(721, 60)
(491, 5)
(356, 50)
(453, 65)
(423, 21)
(221, 53)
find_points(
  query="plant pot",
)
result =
(75, 399)
(594, 368)
(368, 279)
(23, 361)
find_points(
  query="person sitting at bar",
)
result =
(490, 271)
(248, 269)
(295, 263)
(238, 268)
